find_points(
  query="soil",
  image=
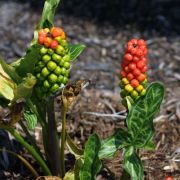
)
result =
(99, 64)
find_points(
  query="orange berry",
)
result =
(134, 83)
(140, 64)
(47, 41)
(141, 77)
(55, 31)
(63, 36)
(42, 32)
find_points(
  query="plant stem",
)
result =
(28, 147)
(25, 162)
(125, 176)
(53, 153)
(63, 135)
(30, 138)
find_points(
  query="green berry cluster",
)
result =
(52, 70)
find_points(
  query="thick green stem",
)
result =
(63, 135)
(28, 147)
(25, 162)
(53, 153)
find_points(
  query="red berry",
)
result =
(54, 44)
(144, 69)
(135, 58)
(123, 73)
(141, 42)
(140, 64)
(141, 77)
(136, 72)
(129, 43)
(128, 57)
(133, 51)
(126, 69)
(168, 178)
(144, 60)
(130, 76)
(129, 48)
(145, 51)
(142, 48)
(47, 41)
(132, 66)
(41, 39)
(139, 53)
(134, 83)
(134, 41)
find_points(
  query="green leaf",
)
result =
(117, 141)
(69, 175)
(141, 114)
(24, 89)
(10, 71)
(75, 50)
(7, 86)
(92, 164)
(28, 62)
(76, 151)
(133, 164)
(150, 145)
(48, 14)
(30, 118)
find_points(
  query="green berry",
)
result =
(67, 73)
(62, 63)
(58, 39)
(144, 83)
(57, 71)
(66, 65)
(46, 58)
(125, 81)
(63, 71)
(64, 43)
(41, 64)
(54, 88)
(60, 79)
(46, 84)
(43, 51)
(121, 85)
(143, 92)
(123, 93)
(66, 57)
(52, 78)
(139, 88)
(60, 50)
(134, 94)
(56, 58)
(51, 66)
(65, 80)
(50, 51)
(45, 72)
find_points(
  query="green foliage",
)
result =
(30, 118)
(48, 14)
(113, 143)
(75, 50)
(92, 164)
(141, 114)
(28, 62)
(132, 164)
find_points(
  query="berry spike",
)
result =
(133, 70)
(52, 69)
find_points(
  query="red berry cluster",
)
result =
(134, 67)
(48, 38)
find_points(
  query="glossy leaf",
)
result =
(69, 175)
(141, 114)
(75, 50)
(133, 164)
(48, 14)
(30, 118)
(92, 164)
(113, 143)
(28, 62)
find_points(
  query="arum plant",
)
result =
(29, 86)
